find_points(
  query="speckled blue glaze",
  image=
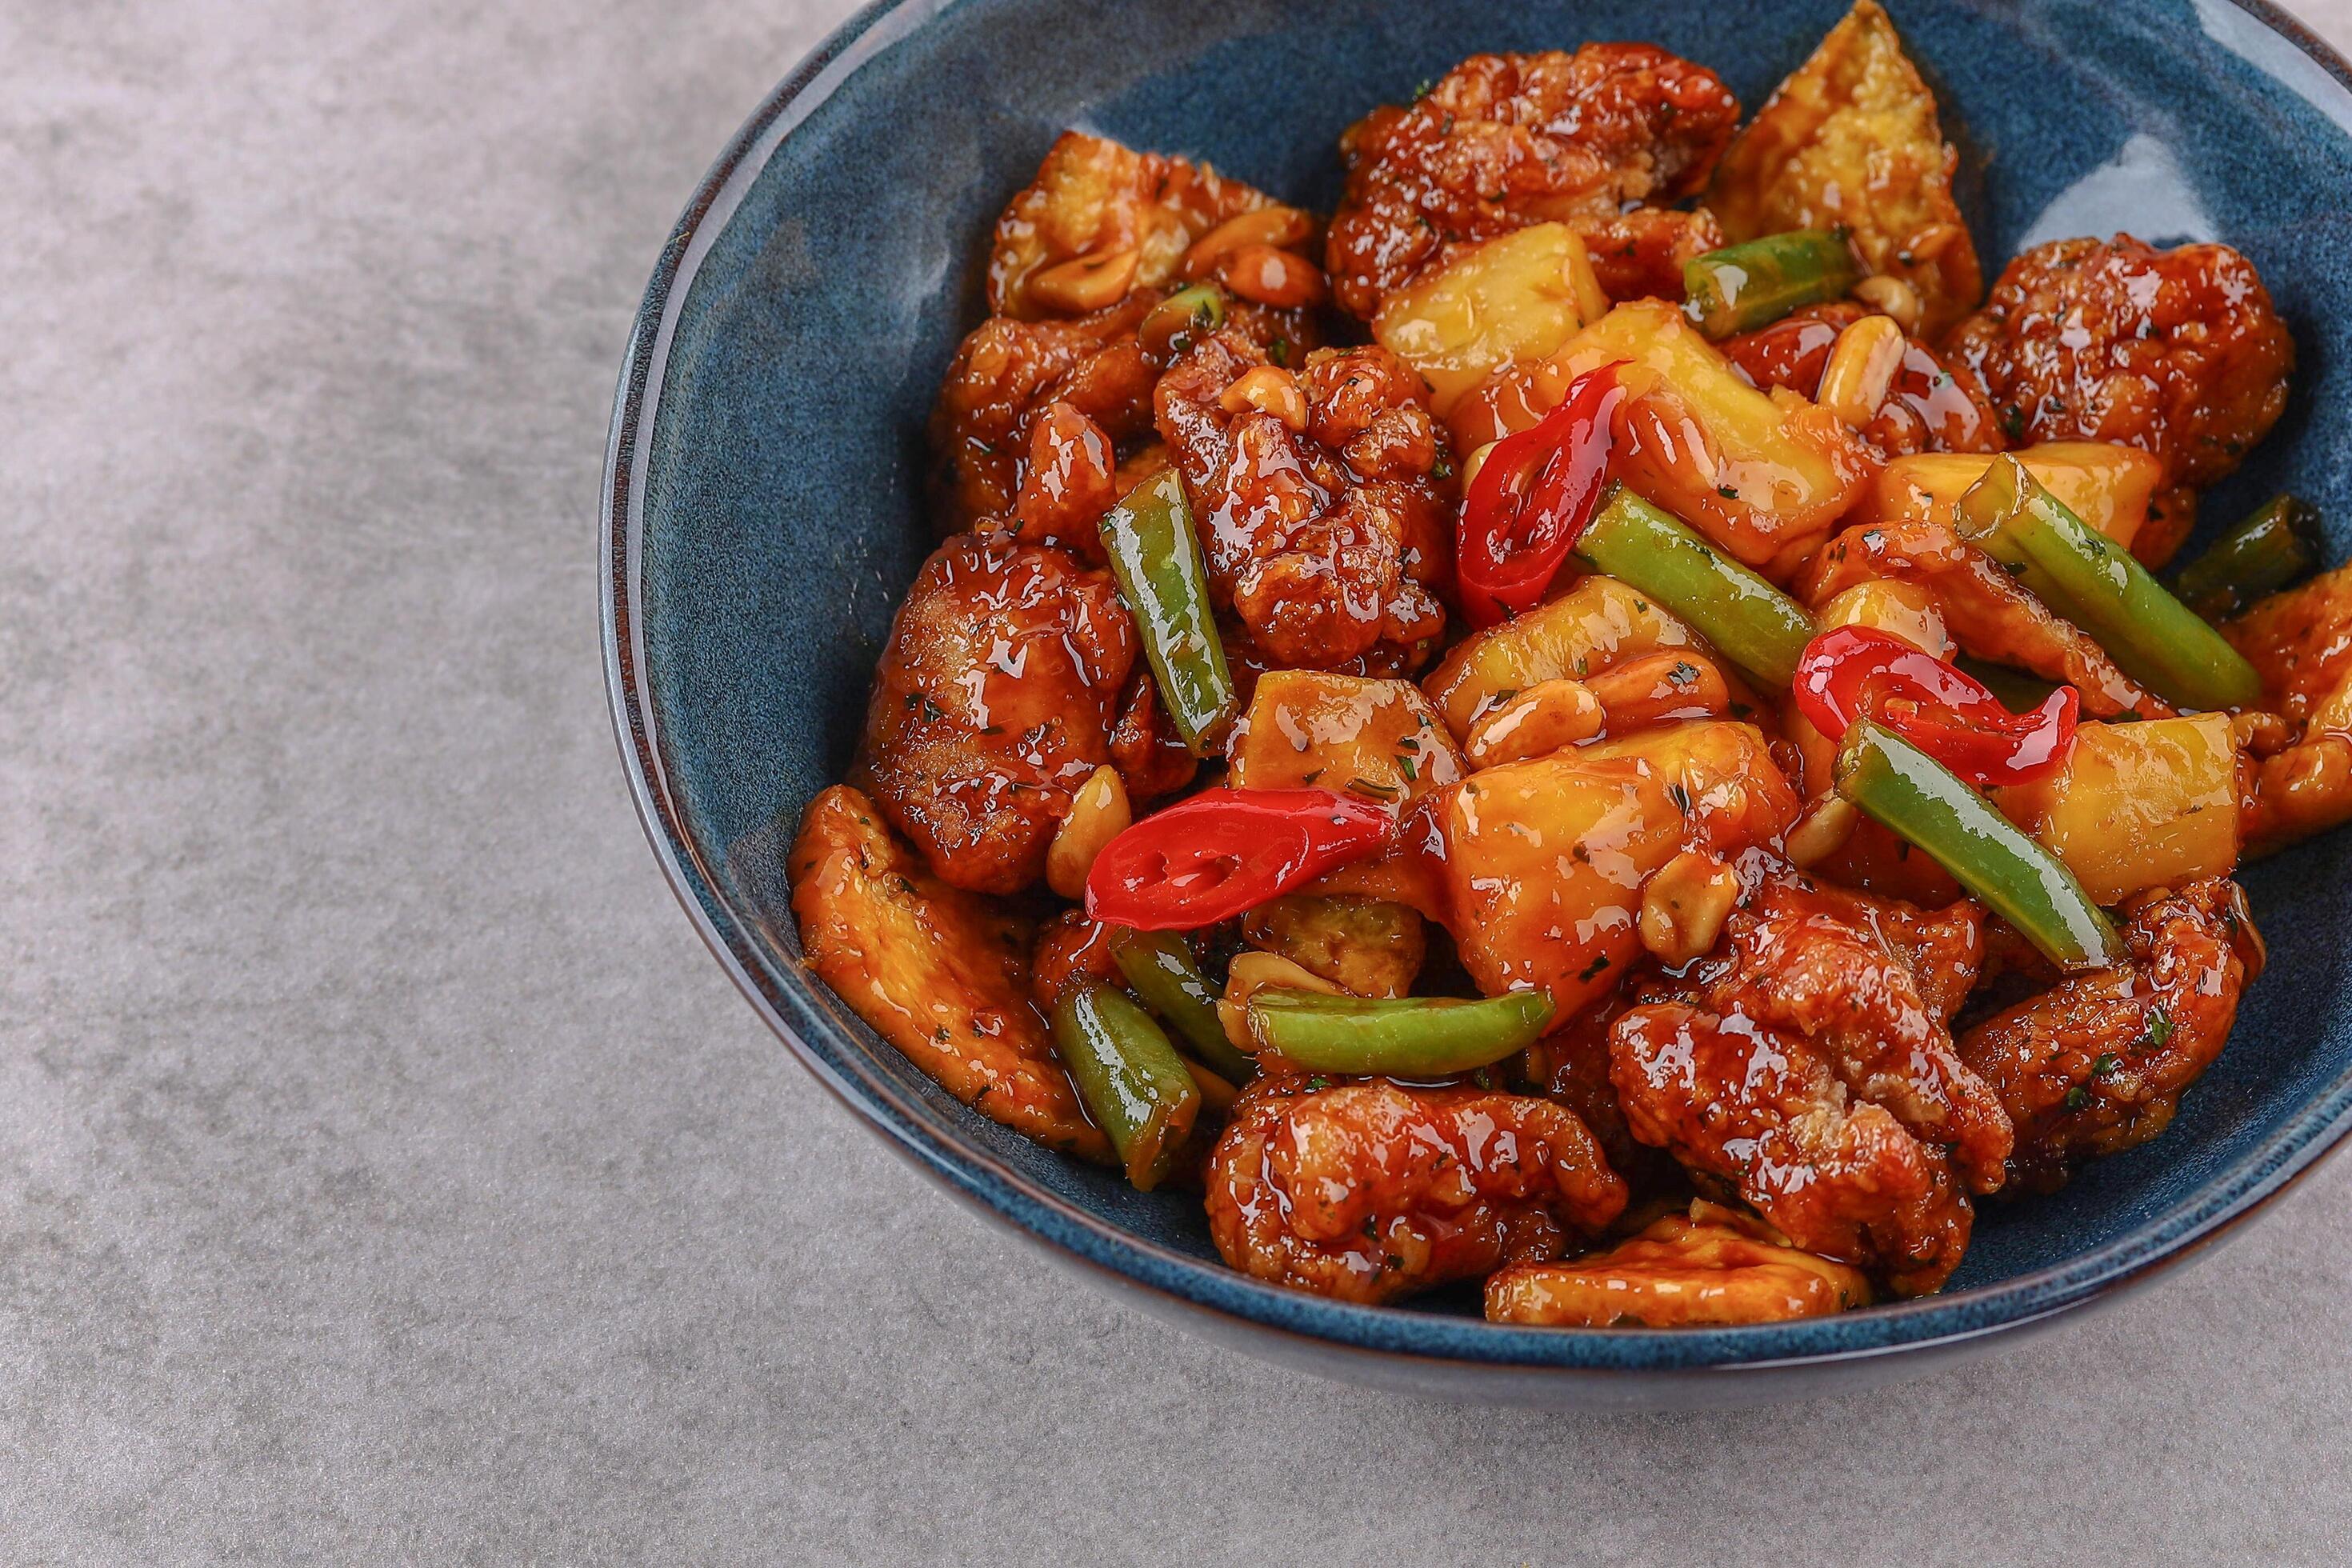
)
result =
(762, 520)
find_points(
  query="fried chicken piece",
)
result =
(1927, 408)
(1006, 373)
(1872, 984)
(1504, 141)
(1990, 615)
(1809, 1061)
(2097, 1064)
(1639, 254)
(2177, 353)
(937, 972)
(1759, 1109)
(993, 702)
(1095, 198)
(1713, 1265)
(1852, 140)
(2301, 641)
(1370, 1191)
(1322, 528)
(1571, 1066)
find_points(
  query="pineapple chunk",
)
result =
(1505, 301)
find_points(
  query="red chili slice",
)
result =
(1225, 851)
(1853, 672)
(1533, 498)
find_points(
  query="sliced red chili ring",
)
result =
(1854, 672)
(1532, 498)
(1225, 851)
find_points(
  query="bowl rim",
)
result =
(795, 1004)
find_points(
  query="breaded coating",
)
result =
(940, 973)
(1808, 1062)
(2096, 1064)
(1504, 141)
(1093, 197)
(2301, 776)
(1712, 1265)
(1314, 497)
(2178, 352)
(1852, 140)
(994, 699)
(1006, 373)
(1370, 1191)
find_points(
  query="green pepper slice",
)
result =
(1133, 1083)
(1899, 785)
(1405, 1037)
(1159, 968)
(2277, 544)
(1743, 287)
(1753, 624)
(2093, 582)
(1156, 557)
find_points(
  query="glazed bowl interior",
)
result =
(768, 481)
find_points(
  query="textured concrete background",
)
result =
(386, 1171)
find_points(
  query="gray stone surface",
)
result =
(385, 1171)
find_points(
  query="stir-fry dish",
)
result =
(1606, 721)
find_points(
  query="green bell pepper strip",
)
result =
(1406, 1036)
(1134, 1084)
(1753, 624)
(1743, 287)
(1918, 798)
(1156, 557)
(2269, 549)
(2093, 582)
(1159, 967)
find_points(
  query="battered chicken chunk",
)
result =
(1713, 1265)
(1808, 1062)
(941, 974)
(1852, 140)
(2177, 353)
(1320, 519)
(994, 699)
(1504, 141)
(2301, 641)
(1006, 373)
(1989, 614)
(2097, 1064)
(1135, 212)
(1370, 1191)
(1927, 408)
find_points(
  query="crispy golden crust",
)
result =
(2178, 352)
(1504, 141)
(1872, 983)
(995, 700)
(1094, 197)
(1712, 1265)
(1760, 1110)
(1852, 140)
(1808, 1062)
(2097, 1064)
(2299, 780)
(1322, 539)
(940, 973)
(1369, 1191)
(1006, 373)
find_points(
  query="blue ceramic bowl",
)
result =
(762, 518)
